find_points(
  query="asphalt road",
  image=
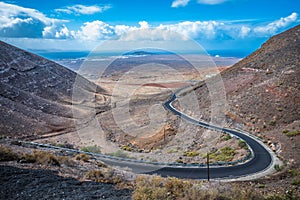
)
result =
(261, 160)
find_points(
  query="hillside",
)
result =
(262, 90)
(36, 95)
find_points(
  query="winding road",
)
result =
(261, 160)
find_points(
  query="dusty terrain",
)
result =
(36, 95)
(261, 96)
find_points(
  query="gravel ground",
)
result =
(17, 183)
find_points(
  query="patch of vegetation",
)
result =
(289, 195)
(126, 148)
(272, 123)
(294, 172)
(225, 154)
(227, 137)
(285, 131)
(108, 176)
(83, 157)
(191, 153)
(120, 153)
(242, 144)
(6, 154)
(292, 133)
(172, 151)
(64, 145)
(277, 167)
(46, 158)
(296, 182)
(91, 149)
(151, 188)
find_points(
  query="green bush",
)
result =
(296, 182)
(227, 137)
(294, 172)
(126, 148)
(292, 133)
(272, 123)
(119, 153)
(92, 149)
(225, 154)
(277, 167)
(242, 144)
(191, 153)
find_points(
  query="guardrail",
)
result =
(170, 164)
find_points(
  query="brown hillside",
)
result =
(36, 94)
(263, 90)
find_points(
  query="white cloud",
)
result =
(96, 30)
(274, 26)
(196, 29)
(183, 3)
(211, 2)
(58, 32)
(245, 30)
(179, 3)
(17, 21)
(84, 10)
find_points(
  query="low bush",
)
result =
(6, 154)
(227, 137)
(191, 153)
(292, 133)
(225, 154)
(277, 167)
(296, 182)
(46, 158)
(92, 149)
(108, 176)
(126, 148)
(83, 157)
(172, 188)
(119, 153)
(242, 144)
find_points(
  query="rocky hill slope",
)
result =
(263, 90)
(36, 95)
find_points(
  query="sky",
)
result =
(77, 25)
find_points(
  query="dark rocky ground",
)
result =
(19, 183)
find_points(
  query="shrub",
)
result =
(172, 188)
(272, 123)
(293, 133)
(294, 172)
(285, 131)
(83, 157)
(64, 145)
(46, 158)
(6, 154)
(191, 153)
(242, 144)
(225, 154)
(108, 176)
(277, 167)
(296, 182)
(92, 149)
(119, 153)
(28, 158)
(126, 148)
(227, 137)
